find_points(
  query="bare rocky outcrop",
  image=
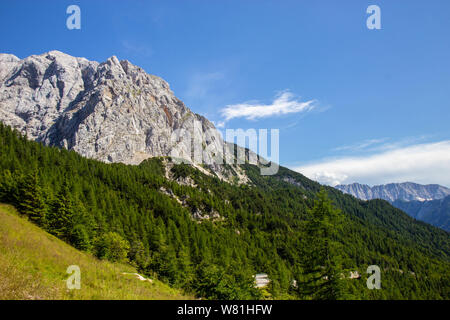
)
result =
(112, 111)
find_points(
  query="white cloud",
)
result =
(284, 103)
(422, 163)
(361, 145)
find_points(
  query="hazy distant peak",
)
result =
(396, 191)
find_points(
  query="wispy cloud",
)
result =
(284, 103)
(361, 145)
(421, 163)
(371, 146)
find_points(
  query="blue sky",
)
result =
(375, 95)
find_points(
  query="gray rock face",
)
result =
(111, 111)
(396, 191)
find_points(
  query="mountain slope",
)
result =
(33, 265)
(210, 237)
(396, 191)
(111, 111)
(435, 212)
(180, 223)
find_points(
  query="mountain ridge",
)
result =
(396, 191)
(423, 202)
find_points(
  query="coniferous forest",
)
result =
(305, 237)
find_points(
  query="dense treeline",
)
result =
(276, 225)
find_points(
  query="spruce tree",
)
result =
(31, 199)
(61, 218)
(321, 260)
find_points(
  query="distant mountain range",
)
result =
(428, 203)
(406, 191)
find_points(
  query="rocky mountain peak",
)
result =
(111, 111)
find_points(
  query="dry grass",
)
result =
(33, 265)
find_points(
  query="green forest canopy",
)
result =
(120, 213)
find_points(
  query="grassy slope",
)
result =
(33, 265)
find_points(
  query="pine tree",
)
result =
(322, 262)
(31, 199)
(185, 268)
(138, 254)
(79, 237)
(61, 218)
(8, 186)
